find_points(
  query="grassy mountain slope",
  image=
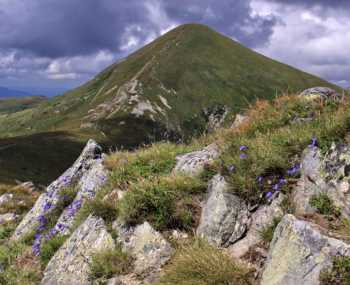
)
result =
(12, 105)
(168, 89)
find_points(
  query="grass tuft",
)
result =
(338, 274)
(201, 264)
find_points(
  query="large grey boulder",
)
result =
(193, 163)
(263, 217)
(71, 263)
(325, 93)
(77, 174)
(225, 216)
(299, 252)
(148, 247)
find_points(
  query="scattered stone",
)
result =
(71, 263)
(193, 163)
(124, 280)
(5, 198)
(324, 93)
(149, 248)
(299, 252)
(83, 167)
(8, 218)
(239, 120)
(225, 217)
(261, 219)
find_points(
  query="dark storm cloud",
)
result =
(52, 28)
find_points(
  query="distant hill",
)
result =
(170, 89)
(7, 93)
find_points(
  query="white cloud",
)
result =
(309, 40)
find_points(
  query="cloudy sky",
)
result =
(47, 46)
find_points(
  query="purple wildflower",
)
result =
(260, 179)
(61, 227)
(243, 148)
(47, 206)
(276, 187)
(269, 195)
(283, 181)
(314, 142)
(231, 168)
(243, 155)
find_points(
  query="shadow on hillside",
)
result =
(40, 158)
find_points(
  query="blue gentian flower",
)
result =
(243, 148)
(243, 155)
(269, 195)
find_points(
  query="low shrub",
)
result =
(201, 264)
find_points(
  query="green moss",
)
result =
(201, 264)
(339, 273)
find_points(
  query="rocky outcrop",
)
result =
(225, 217)
(328, 175)
(193, 163)
(71, 263)
(148, 247)
(86, 173)
(310, 182)
(324, 93)
(263, 217)
(299, 252)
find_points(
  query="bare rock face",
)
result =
(225, 217)
(261, 218)
(193, 163)
(299, 252)
(150, 250)
(324, 93)
(71, 263)
(86, 172)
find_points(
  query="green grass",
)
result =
(12, 105)
(201, 264)
(166, 202)
(339, 274)
(268, 231)
(275, 143)
(324, 205)
(49, 248)
(108, 264)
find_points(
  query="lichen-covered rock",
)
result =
(193, 163)
(124, 280)
(325, 93)
(261, 218)
(299, 252)
(310, 182)
(225, 217)
(148, 247)
(89, 184)
(8, 218)
(71, 263)
(5, 198)
(84, 166)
